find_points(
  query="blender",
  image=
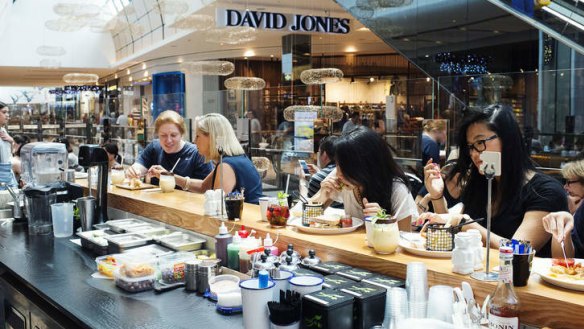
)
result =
(93, 157)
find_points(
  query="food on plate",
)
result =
(573, 270)
(135, 183)
(330, 219)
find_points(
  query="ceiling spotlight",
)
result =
(372, 79)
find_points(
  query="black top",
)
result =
(578, 232)
(59, 273)
(246, 176)
(430, 150)
(541, 193)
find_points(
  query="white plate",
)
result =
(340, 230)
(79, 175)
(542, 266)
(409, 247)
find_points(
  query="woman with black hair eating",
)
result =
(521, 196)
(368, 179)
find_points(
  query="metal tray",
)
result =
(147, 229)
(120, 225)
(93, 241)
(153, 250)
(122, 242)
(182, 242)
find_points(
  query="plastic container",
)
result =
(107, 264)
(137, 284)
(172, 266)
(136, 273)
(223, 284)
(269, 244)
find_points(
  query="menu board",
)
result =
(304, 131)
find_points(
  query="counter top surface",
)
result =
(60, 272)
(542, 304)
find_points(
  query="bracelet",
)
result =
(186, 186)
(439, 198)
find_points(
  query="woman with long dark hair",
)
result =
(368, 179)
(521, 196)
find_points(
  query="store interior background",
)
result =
(436, 58)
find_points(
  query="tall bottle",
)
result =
(233, 253)
(221, 241)
(504, 306)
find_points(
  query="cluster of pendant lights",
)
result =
(366, 8)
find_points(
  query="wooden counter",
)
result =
(541, 304)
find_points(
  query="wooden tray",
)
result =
(142, 186)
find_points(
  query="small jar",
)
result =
(463, 255)
(191, 275)
(167, 182)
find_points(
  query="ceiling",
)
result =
(185, 46)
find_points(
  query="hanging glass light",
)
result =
(76, 9)
(389, 3)
(50, 51)
(80, 78)
(362, 9)
(193, 22)
(172, 7)
(321, 76)
(324, 112)
(232, 35)
(66, 24)
(208, 67)
(49, 63)
(245, 83)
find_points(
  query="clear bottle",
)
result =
(221, 241)
(269, 244)
(504, 306)
(233, 253)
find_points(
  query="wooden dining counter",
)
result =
(541, 304)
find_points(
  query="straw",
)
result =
(287, 184)
(177, 161)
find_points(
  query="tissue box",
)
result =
(336, 281)
(327, 309)
(369, 305)
(329, 267)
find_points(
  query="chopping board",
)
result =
(143, 186)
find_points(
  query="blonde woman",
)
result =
(434, 135)
(563, 225)
(215, 134)
(163, 153)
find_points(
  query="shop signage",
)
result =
(278, 21)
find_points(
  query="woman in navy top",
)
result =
(170, 149)
(215, 134)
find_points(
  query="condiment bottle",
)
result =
(311, 259)
(463, 255)
(269, 244)
(233, 253)
(243, 232)
(221, 241)
(289, 265)
(244, 258)
(504, 305)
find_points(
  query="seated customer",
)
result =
(163, 153)
(326, 164)
(113, 156)
(19, 142)
(562, 225)
(368, 179)
(239, 173)
(521, 196)
(72, 160)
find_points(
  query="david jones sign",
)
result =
(278, 21)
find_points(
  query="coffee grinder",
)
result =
(93, 157)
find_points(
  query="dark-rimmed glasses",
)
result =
(570, 182)
(481, 144)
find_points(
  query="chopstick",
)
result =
(564, 251)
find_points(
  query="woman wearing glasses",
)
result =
(521, 196)
(562, 225)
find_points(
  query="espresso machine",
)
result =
(42, 165)
(93, 157)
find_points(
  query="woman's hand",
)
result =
(135, 171)
(559, 224)
(370, 208)
(433, 218)
(312, 169)
(155, 171)
(331, 184)
(5, 137)
(433, 180)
